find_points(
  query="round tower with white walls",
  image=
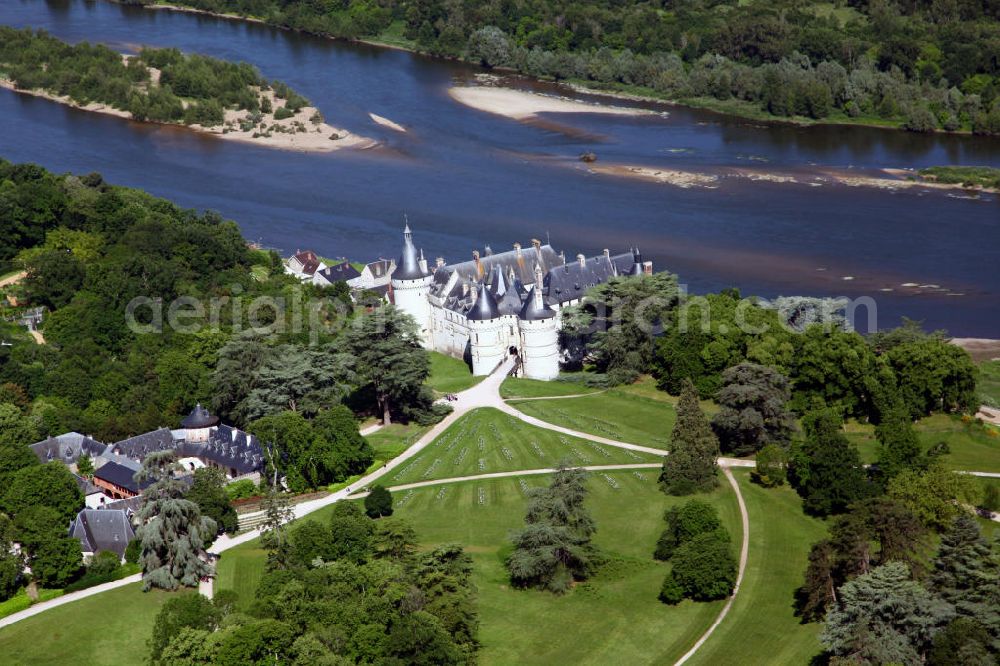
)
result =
(487, 342)
(539, 329)
(411, 285)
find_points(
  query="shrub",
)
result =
(379, 502)
(132, 551)
(771, 469)
(104, 562)
(704, 569)
(282, 112)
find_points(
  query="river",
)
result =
(467, 179)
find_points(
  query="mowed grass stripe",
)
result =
(487, 440)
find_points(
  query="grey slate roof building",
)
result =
(67, 448)
(102, 530)
(506, 275)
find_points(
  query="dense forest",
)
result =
(162, 85)
(922, 65)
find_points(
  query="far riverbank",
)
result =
(732, 107)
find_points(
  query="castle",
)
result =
(495, 305)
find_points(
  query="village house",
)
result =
(304, 264)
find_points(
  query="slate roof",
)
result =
(140, 446)
(67, 448)
(535, 311)
(382, 267)
(572, 280)
(199, 418)
(227, 447)
(408, 266)
(86, 486)
(485, 306)
(102, 529)
(122, 476)
(339, 273)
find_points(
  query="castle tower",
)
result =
(411, 286)
(486, 338)
(539, 334)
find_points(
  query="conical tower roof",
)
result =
(485, 307)
(535, 308)
(199, 418)
(408, 266)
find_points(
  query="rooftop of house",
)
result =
(67, 448)
(102, 529)
(121, 476)
(308, 260)
(382, 267)
(340, 272)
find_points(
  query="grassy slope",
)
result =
(973, 447)
(614, 414)
(450, 375)
(761, 627)
(486, 440)
(532, 388)
(989, 383)
(615, 618)
(110, 629)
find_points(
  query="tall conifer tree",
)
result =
(694, 448)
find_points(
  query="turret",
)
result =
(539, 334)
(486, 340)
(636, 263)
(411, 285)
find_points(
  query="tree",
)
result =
(274, 531)
(347, 452)
(934, 375)
(966, 574)
(378, 503)
(173, 533)
(189, 610)
(554, 549)
(11, 565)
(84, 466)
(208, 491)
(685, 522)
(963, 642)
(56, 561)
(771, 466)
(49, 485)
(14, 458)
(54, 276)
(294, 437)
(490, 46)
(619, 320)
(936, 495)
(873, 533)
(752, 410)
(16, 429)
(899, 446)
(827, 469)
(390, 358)
(702, 569)
(691, 466)
(351, 533)
(884, 617)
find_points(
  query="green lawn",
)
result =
(616, 414)
(532, 388)
(109, 629)
(989, 383)
(450, 375)
(614, 618)
(761, 627)
(395, 438)
(487, 440)
(973, 447)
(240, 569)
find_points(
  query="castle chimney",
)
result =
(536, 243)
(439, 262)
(562, 256)
(607, 254)
(465, 289)
(582, 260)
(422, 262)
(517, 250)
(475, 256)
(537, 295)
(488, 250)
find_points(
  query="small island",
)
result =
(230, 100)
